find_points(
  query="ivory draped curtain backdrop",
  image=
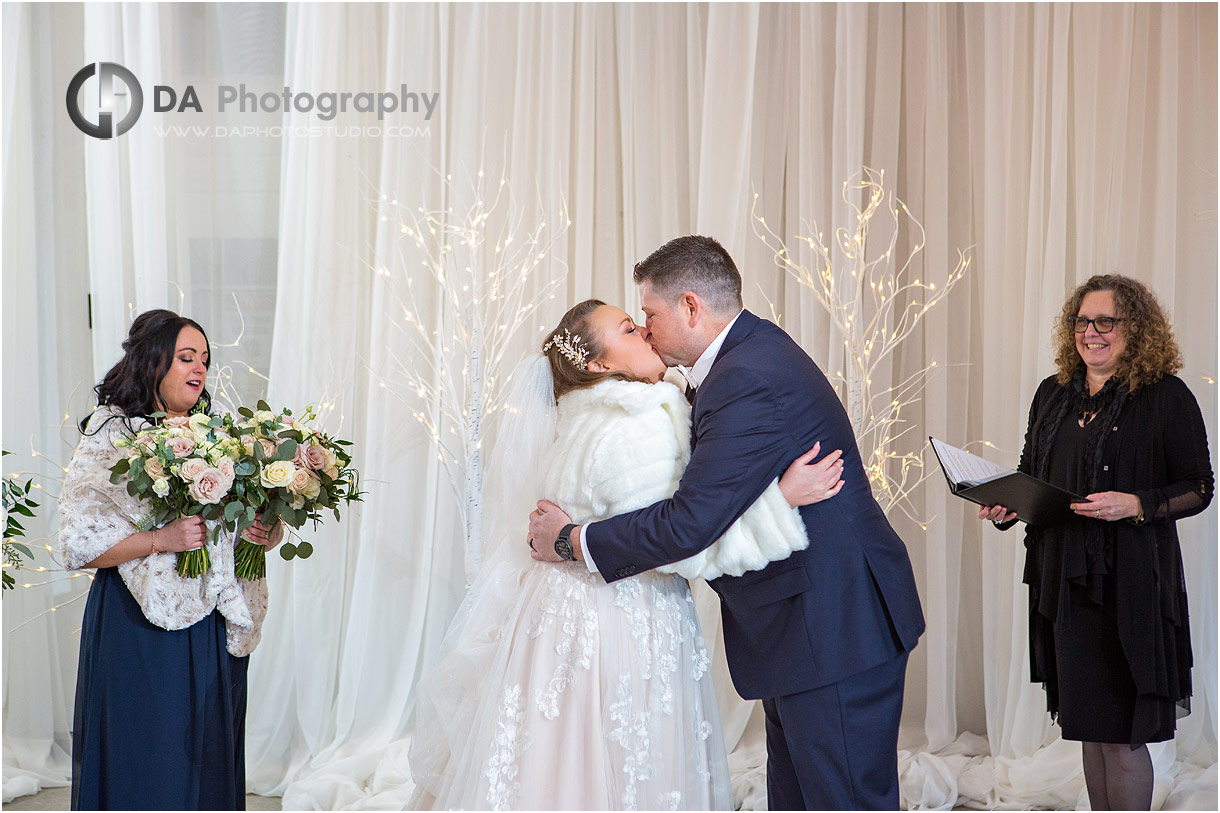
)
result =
(1056, 140)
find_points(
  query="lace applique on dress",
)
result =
(632, 735)
(511, 739)
(568, 601)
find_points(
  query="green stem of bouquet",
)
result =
(249, 560)
(194, 563)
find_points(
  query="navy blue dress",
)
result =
(160, 715)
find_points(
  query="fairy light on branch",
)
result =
(874, 304)
(489, 272)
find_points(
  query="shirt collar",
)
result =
(695, 375)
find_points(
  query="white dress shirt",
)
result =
(694, 376)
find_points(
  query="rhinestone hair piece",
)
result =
(572, 348)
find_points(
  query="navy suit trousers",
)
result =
(831, 748)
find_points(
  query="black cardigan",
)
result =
(1157, 450)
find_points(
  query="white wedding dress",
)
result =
(555, 690)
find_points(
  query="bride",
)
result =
(546, 660)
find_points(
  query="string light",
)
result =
(488, 275)
(862, 298)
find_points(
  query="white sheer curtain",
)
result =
(1057, 140)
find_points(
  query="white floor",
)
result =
(58, 798)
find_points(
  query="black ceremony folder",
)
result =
(1036, 502)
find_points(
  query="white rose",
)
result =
(263, 415)
(200, 422)
(160, 486)
(278, 474)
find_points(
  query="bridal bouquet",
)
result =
(231, 470)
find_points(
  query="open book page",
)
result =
(964, 468)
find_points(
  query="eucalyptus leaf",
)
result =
(245, 412)
(288, 551)
(304, 550)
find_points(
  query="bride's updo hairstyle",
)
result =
(571, 346)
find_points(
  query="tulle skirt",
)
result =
(558, 691)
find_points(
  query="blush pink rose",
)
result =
(191, 469)
(210, 487)
(182, 446)
(315, 456)
(268, 446)
(177, 423)
(300, 481)
(227, 468)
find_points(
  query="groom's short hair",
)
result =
(697, 264)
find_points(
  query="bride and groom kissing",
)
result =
(575, 675)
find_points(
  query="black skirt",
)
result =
(1097, 696)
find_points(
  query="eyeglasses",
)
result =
(1103, 324)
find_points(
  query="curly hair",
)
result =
(1151, 350)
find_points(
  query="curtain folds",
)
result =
(1051, 141)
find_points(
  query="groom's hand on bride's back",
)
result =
(806, 482)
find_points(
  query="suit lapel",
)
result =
(743, 327)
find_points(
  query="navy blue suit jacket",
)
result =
(844, 604)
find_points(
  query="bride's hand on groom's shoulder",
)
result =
(806, 482)
(546, 521)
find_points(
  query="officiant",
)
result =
(1109, 632)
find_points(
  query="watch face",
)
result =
(564, 548)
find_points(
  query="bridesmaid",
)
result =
(160, 713)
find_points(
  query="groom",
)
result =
(822, 636)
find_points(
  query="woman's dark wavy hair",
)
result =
(132, 386)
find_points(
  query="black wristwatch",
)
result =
(563, 544)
